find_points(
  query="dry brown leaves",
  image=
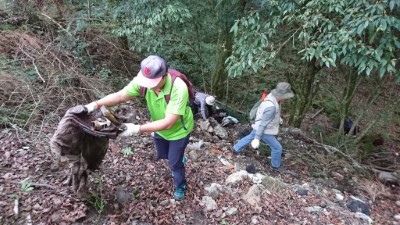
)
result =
(43, 82)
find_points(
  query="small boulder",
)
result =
(358, 206)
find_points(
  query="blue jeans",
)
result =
(276, 147)
(174, 152)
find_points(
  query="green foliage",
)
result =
(184, 32)
(97, 179)
(145, 19)
(136, 193)
(26, 186)
(224, 222)
(330, 105)
(6, 27)
(101, 95)
(105, 73)
(96, 202)
(127, 151)
(361, 34)
(249, 48)
(13, 196)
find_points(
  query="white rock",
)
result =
(164, 202)
(196, 145)
(398, 203)
(305, 185)
(7, 154)
(231, 211)
(313, 209)
(357, 199)
(256, 178)
(339, 197)
(236, 177)
(397, 217)
(254, 220)
(363, 217)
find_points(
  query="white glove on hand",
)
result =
(91, 107)
(255, 143)
(131, 129)
(280, 121)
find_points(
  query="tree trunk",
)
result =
(305, 87)
(220, 75)
(352, 82)
(372, 98)
(228, 12)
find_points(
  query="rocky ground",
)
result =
(132, 187)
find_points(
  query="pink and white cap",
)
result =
(152, 70)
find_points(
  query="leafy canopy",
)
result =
(362, 34)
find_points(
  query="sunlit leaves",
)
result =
(360, 34)
(145, 20)
(250, 43)
(363, 34)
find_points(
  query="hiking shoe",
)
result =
(278, 169)
(179, 192)
(282, 170)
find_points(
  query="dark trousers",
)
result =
(195, 110)
(173, 151)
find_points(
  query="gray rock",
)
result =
(388, 178)
(220, 132)
(358, 206)
(363, 217)
(236, 177)
(195, 145)
(271, 182)
(314, 209)
(56, 217)
(137, 222)
(213, 190)
(164, 202)
(204, 125)
(193, 155)
(122, 196)
(302, 192)
(208, 203)
(231, 211)
(253, 196)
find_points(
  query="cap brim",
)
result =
(284, 96)
(146, 82)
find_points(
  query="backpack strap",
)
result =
(143, 91)
(264, 100)
(174, 74)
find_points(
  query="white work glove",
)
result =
(255, 143)
(91, 107)
(131, 129)
(280, 121)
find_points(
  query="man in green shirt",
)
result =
(172, 121)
